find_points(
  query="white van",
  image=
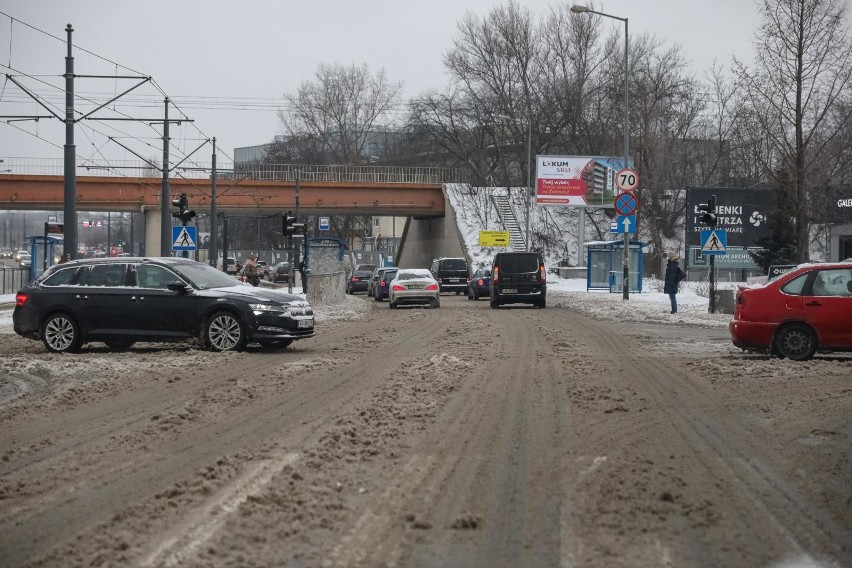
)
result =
(231, 265)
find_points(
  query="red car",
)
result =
(795, 315)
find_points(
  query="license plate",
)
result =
(510, 291)
(305, 323)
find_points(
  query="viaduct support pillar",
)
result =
(152, 232)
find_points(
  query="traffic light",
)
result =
(185, 214)
(708, 212)
(289, 224)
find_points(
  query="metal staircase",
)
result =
(510, 222)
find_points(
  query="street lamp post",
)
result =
(626, 257)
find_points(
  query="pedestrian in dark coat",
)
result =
(674, 274)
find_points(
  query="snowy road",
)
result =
(463, 436)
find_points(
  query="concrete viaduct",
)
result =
(430, 230)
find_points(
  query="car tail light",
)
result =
(542, 275)
(432, 286)
(398, 288)
(739, 306)
(383, 283)
(480, 282)
(495, 275)
(353, 279)
(21, 298)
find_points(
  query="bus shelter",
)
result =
(605, 265)
(43, 251)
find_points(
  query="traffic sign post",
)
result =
(626, 180)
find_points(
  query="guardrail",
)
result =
(13, 279)
(265, 172)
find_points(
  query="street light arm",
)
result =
(585, 10)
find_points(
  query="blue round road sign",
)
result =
(626, 204)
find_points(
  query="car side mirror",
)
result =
(177, 286)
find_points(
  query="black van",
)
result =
(451, 274)
(518, 278)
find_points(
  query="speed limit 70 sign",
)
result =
(627, 179)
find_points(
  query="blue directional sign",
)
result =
(714, 241)
(323, 224)
(626, 224)
(184, 238)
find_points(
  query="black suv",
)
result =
(122, 300)
(451, 274)
(518, 278)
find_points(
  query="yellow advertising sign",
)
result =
(493, 238)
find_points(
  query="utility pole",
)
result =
(213, 251)
(165, 212)
(70, 159)
(70, 150)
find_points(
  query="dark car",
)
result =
(451, 274)
(479, 284)
(358, 281)
(124, 300)
(280, 272)
(806, 310)
(382, 287)
(518, 278)
(371, 283)
(374, 279)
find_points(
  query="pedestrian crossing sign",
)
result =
(184, 238)
(714, 241)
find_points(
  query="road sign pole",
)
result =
(712, 283)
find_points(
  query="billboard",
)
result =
(579, 181)
(838, 204)
(740, 211)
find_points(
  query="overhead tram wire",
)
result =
(64, 42)
(80, 48)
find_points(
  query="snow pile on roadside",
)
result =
(645, 307)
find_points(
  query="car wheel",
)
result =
(60, 334)
(494, 304)
(224, 332)
(795, 341)
(276, 343)
(377, 297)
(119, 344)
(391, 304)
(542, 303)
(435, 304)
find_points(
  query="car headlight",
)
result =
(260, 308)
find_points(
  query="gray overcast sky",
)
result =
(261, 49)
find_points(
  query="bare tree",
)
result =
(333, 117)
(802, 69)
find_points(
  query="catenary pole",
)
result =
(213, 247)
(70, 158)
(165, 213)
